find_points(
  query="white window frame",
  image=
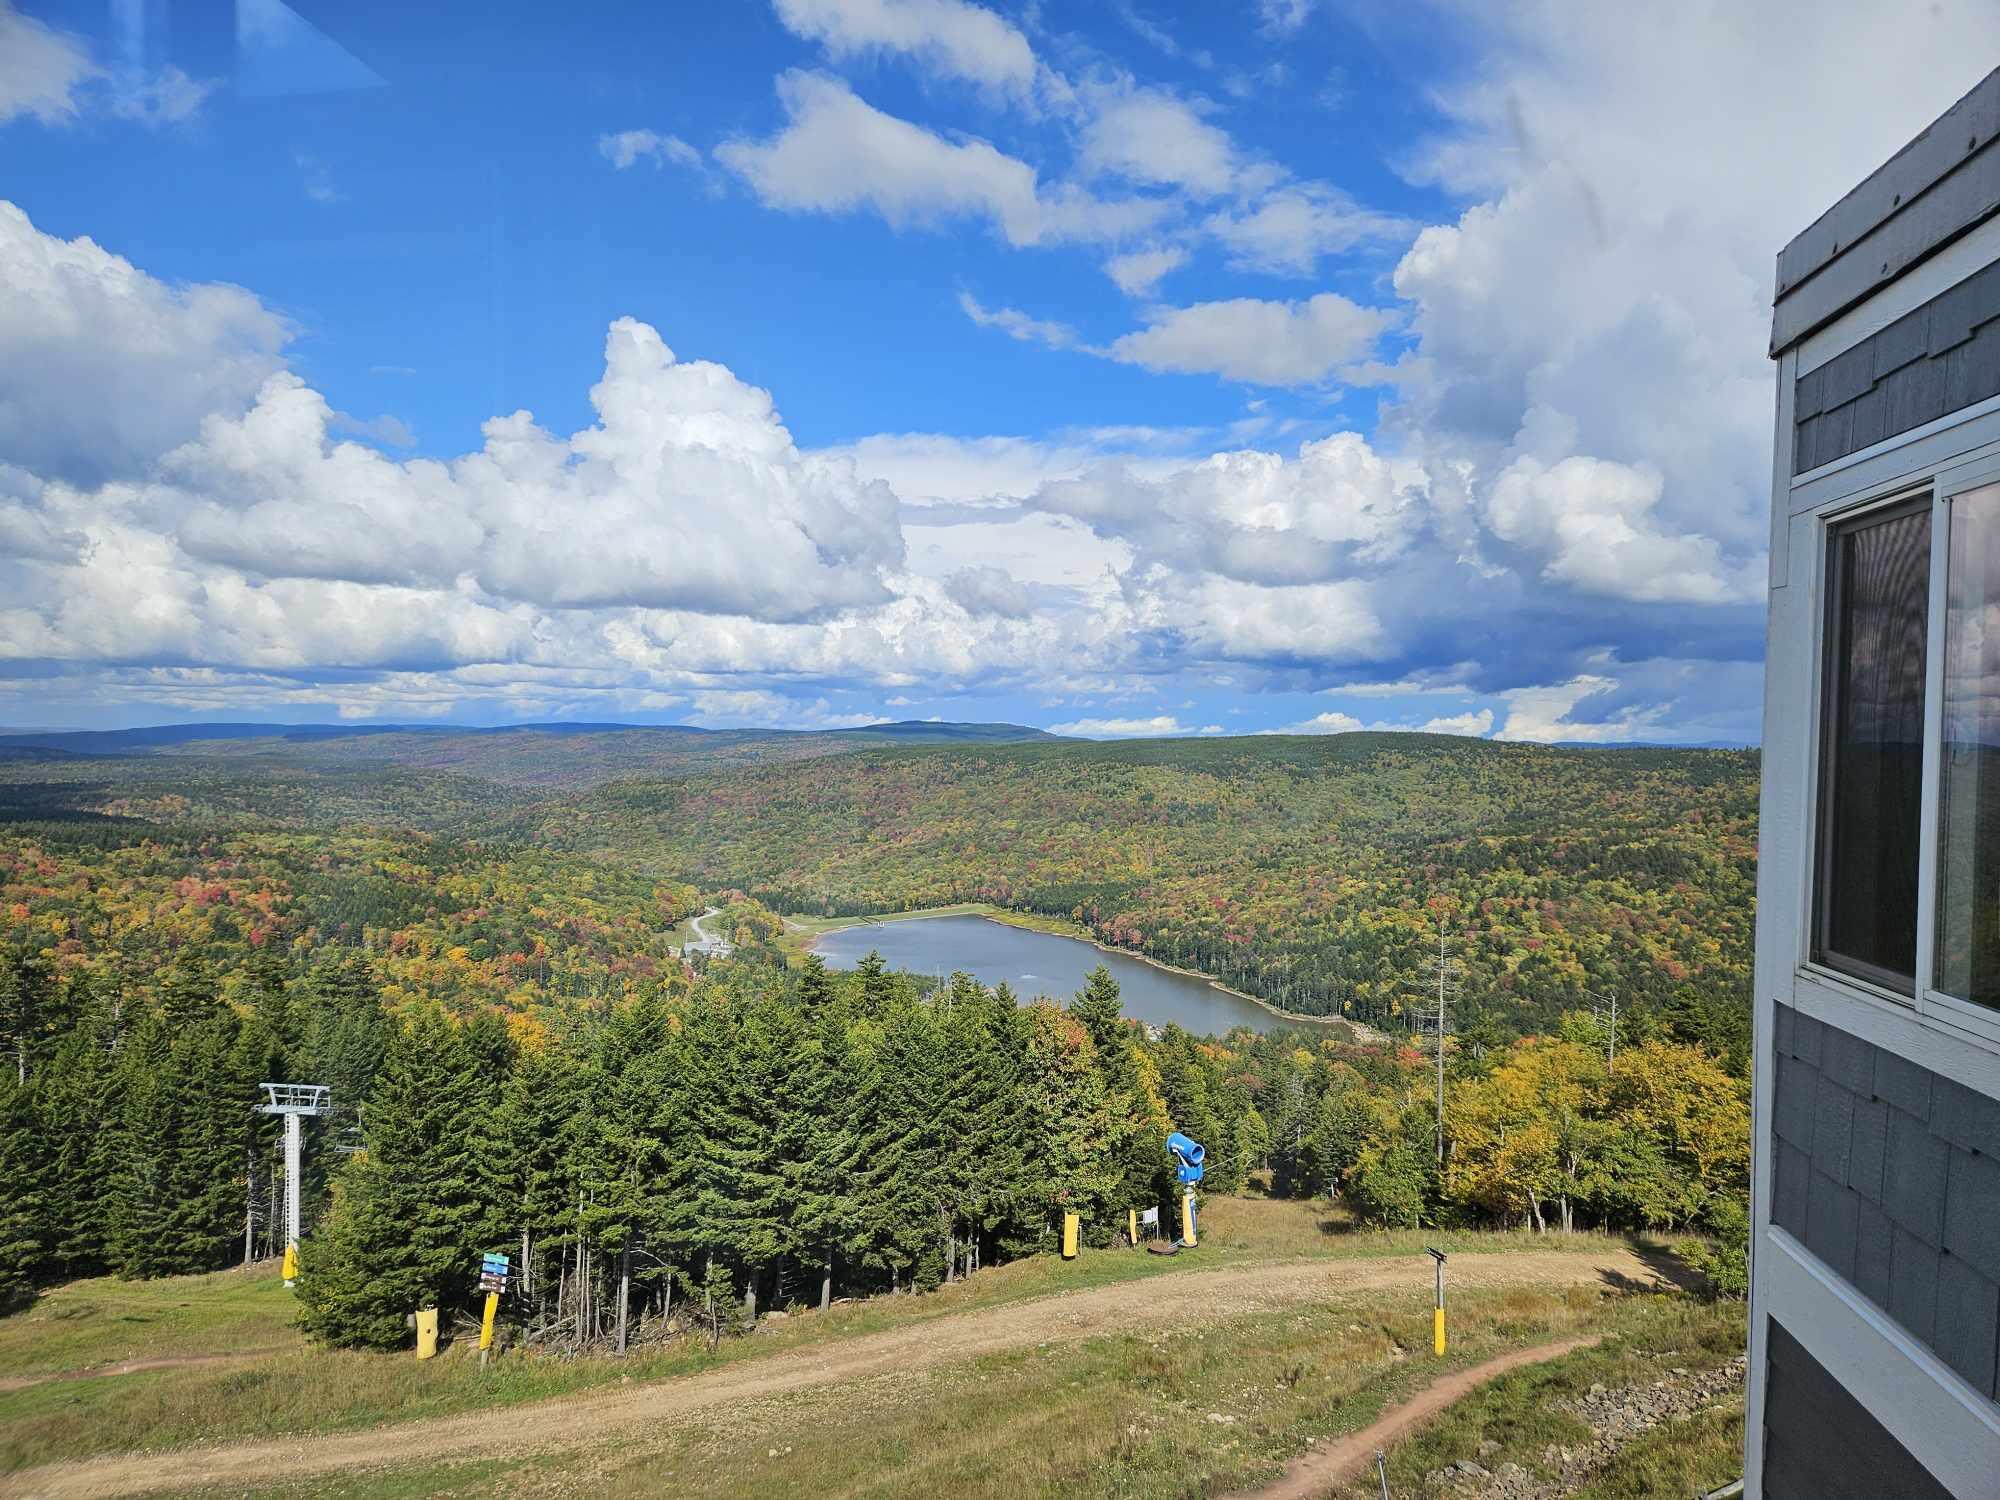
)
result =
(1982, 1020)
(1945, 478)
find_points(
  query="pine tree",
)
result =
(30, 1017)
(407, 1223)
(23, 1190)
(148, 1151)
(817, 1155)
(1137, 1150)
(738, 1211)
(187, 993)
(632, 1187)
(528, 1181)
(82, 1125)
(269, 973)
(878, 987)
(815, 985)
(343, 1034)
(215, 1105)
(899, 1157)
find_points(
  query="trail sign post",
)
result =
(493, 1269)
(1437, 1315)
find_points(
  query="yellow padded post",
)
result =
(1069, 1236)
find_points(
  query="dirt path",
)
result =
(591, 1419)
(1313, 1475)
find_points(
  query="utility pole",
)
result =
(1445, 973)
(1598, 1004)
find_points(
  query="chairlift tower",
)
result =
(293, 1101)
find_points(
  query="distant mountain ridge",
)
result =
(162, 736)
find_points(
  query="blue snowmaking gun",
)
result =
(1189, 1159)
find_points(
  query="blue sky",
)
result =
(1121, 368)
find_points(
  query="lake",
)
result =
(1041, 963)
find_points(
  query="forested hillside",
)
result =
(1316, 873)
(487, 975)
(462, 923)
(1310, 871)
(760, 1131)
(532, 755)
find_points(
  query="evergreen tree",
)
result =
(818, 1152)
(23, 1191)
(528, 1178)
(815, 985)
(30, 1018)
(877, 986)
(269, 976)
(631, 1185)
(343, 1035)
(214, 1101)
(82, 1120)
(187, 994)
(142, 1236)
(405, 1229)
(738, 1211)
(1137, 1149)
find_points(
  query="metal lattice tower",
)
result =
(293, 1101)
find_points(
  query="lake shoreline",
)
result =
(999, 915)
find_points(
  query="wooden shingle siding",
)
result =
(1891, 1176)
(1939, 187)
(1822, 1444)
(1939, 359)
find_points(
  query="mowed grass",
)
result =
(105, 1321)
(1169, 1412)
(293, 1387)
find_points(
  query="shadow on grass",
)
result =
(1666, 1264)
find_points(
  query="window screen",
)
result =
(1872, 781)
(1968, 936)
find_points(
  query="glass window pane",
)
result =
(1969, 826)
(1879, 600)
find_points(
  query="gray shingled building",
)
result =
(1875, 1303)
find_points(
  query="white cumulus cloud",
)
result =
(1259, 342)
(627, 148)
(1137, 273)
(1121, 729)
(837, 153)
(1291, 229)
(950, 37)
(107, 367)
(42, 70)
